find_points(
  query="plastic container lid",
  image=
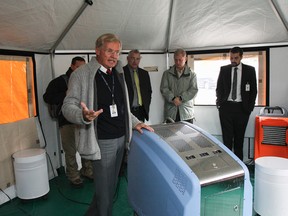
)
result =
(272, 165)
(29, 155)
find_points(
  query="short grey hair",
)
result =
(180, 52)
(109, 37)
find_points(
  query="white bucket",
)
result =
(271, 186)
(31, 173)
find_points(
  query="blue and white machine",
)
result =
(181, 170)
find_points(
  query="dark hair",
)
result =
(134, 51)
(237, 50)
(77, 58)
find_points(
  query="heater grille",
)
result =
(274, 135)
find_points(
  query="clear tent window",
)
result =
(207, 67)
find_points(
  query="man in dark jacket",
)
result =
(139, 86)
(54, 95)
(236, 94)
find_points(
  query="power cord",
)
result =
(250, 162)
(41, 127)
(17, 205)
(6, 195)
(58, 186)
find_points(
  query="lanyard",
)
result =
(113, 84)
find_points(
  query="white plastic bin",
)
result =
(271, 186)
(31, 173)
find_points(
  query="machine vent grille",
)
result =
(180, 181)
(165, 132)
(201, 141)
(181, 145)
(274, 135)
(186, 130)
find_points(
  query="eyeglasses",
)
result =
(111, 52)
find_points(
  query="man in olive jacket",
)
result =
(179, 88)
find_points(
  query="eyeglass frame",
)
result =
(112, 52)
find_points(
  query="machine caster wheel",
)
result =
(24, 201)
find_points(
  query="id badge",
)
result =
(247, 87)
(113, 110)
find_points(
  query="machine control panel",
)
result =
(207, 159)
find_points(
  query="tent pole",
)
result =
(69, 26)
(279, 14)
(171, 14)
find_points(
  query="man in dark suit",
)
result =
(139, 86)
(236, 94)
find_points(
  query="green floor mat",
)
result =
(64, 200)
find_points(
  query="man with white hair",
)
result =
(97, 101)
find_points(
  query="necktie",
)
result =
(234, 84)
(136, 79)
(109, 71)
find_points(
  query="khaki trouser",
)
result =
(69, 147)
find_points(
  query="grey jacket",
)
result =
(81, 88)
(185, 86)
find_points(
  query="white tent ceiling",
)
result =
(152, 25)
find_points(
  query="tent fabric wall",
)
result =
(48, 132)
(15, 137)
(154, 25)
(278, 81)
(225, 23)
